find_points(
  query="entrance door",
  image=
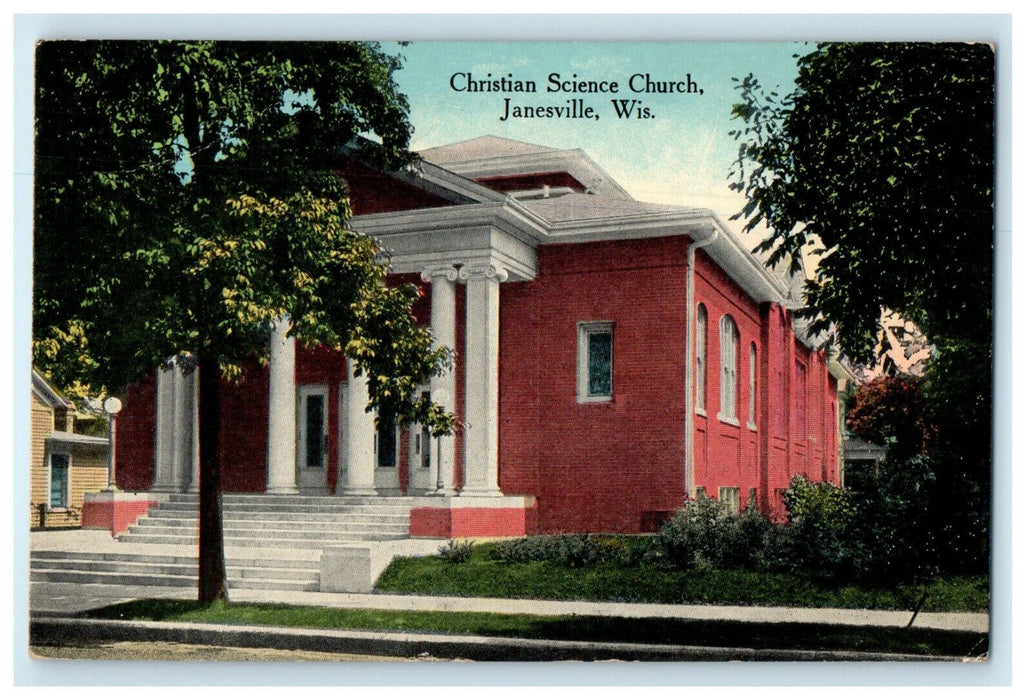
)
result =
(312, 438)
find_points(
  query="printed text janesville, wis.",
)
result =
(638, 84)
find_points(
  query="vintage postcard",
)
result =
(528, 351)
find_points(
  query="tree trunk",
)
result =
(211, 561)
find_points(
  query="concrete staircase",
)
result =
(283, 522)
(139, 569)
(271, 542)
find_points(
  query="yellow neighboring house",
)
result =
(64, 464)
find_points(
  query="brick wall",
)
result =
(596, 466)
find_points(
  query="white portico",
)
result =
(459, 251)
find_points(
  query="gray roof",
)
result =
(481, 147)
(585, 207)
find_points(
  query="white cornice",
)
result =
(416, 239)
(447, 184)
(46, 393)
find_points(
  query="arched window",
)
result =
(753, 386)
(701, 358)
(729, 368)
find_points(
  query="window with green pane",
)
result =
(58, 481)
(595, 361)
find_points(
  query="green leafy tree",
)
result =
(881, 163)
(186, 197)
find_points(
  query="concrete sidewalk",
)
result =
(69, 599)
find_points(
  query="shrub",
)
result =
(748, 543)
(819, 527)
(697, 534)
(456, 551)
(568, 550)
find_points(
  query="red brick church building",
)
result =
(614, 357)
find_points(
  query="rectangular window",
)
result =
(729, 497)
(701, 359)
(314, 430)
(59, 481)
(595, 361)
(387, 442)
(752, 421)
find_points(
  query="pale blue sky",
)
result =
(681, 156)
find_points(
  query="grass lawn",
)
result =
(480, 576)
(572, 628)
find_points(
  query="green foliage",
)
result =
(883, 158)
(892, 534)
(697, 535)
(819, 525)
(567, 550)
(485, 575)
(456, 551)
(186, 197)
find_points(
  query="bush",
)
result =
(820, 515)
(456, 551)
(698, 535)
(569, 550)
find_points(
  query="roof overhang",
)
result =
(42, 389)
(62, 438)
(507, 233)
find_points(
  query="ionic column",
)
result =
(282, 471)
(176, 430)
(358, 475)
(165, 432)
(481, 465)
(443, 388)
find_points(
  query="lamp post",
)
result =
(111, 407)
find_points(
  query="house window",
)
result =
(595, 362)
(753, 387)
(729, 367)
(800, 401)
(59, 481)
(701, 358)
(729, 498)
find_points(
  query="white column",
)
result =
(443, 388)
(195, 435)
(358, 475)
(282, 473)
(164, 432)
(481, 464)
(176, 430)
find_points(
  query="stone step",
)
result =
(252, 542)
(187, 508)
(250, 499)
(175, 581)
(269, 569)
(327, 532)
(56, 556)
(52, 558)
(273, 520)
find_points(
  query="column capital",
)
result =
(448, 272)
(487, 271)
